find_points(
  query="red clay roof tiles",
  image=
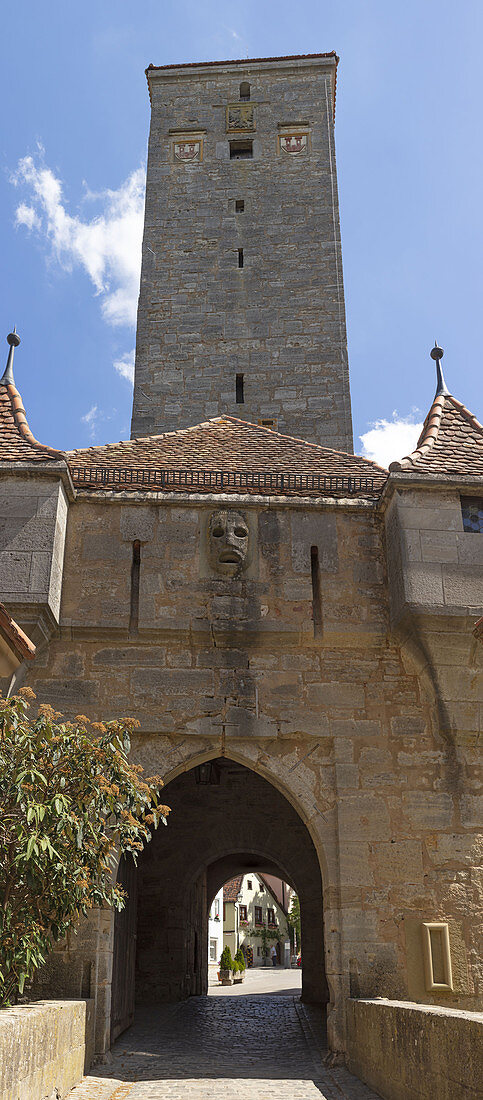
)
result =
(451, 441)
(17, 444)
(224, 444)
(232, 888)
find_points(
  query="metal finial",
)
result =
(437, 353)
(13, 340)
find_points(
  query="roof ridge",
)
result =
(21, 423)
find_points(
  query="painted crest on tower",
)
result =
(294, 144)
(189, 151)
(240, 118)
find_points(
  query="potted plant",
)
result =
(226, 967)
(239, 963)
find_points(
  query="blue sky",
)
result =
(409, 150)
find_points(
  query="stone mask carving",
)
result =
(228, 541)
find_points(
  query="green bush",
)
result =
(226, 961)
(234, 966)
(240, 959)
(70, 802)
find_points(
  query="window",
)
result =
(437, 957)
(241, 150)
(224, 911)
(239, 206)
(243, 912)
(316, 593)
(249, 884)
(213, 946)
(240, 257)
(271, 916)
(472, 512)
(217, 908)
(135, 572)
(261, 888)
(268, 423)
(239, 397)
(258, 914)
(244, 91)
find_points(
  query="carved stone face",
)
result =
(228, 541)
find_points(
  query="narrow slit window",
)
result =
(244, 91)
(239, 206)
(437, 957)
(135, 572)
(240, 257)
(239, 392)
(472, 513)
(241, 150)
(316, 592)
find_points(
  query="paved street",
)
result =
(255, 1044)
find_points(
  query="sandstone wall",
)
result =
(409, 1050)
(45, 1048)
(345, 724)
(280, 320)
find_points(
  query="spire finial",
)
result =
(13, 340)
(437, 353)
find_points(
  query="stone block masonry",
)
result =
(45, 1048)
(242, 271)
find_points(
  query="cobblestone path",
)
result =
(222, 1048)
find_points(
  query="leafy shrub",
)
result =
(234, 966)
(226, 961)
(240, 959)
(70, 803)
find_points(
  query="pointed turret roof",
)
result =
(451, 441)
(17, 442)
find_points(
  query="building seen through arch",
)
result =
(291, 624)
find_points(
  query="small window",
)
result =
(239, 206)
(437, 957)
(261, 888)
(244, 91)
(213, 946)
(240, 257)
(258, 914)
(243, 912)
(241, 150)
(224, 911)
(271, 917)
(472, 512)
(217, 908)
(268, 423)
(249, 884)
(239, 389)
(258, 951)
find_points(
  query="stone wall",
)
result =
(280, 319)
(33, 518)
(410, 1050)
(346, 723)
(45, 1048)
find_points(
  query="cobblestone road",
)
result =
(258, 1047)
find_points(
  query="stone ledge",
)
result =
(403, 1049)
(45, 1048)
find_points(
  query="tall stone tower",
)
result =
(241, 308)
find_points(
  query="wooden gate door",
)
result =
(124, 957)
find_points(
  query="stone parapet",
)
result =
(45, 1048)
(411, 1050)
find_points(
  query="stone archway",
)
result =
(225, 818)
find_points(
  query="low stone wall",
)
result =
(45, 1048)
(406, 1050)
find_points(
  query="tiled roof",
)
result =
(451, 441)
(222, 444)
(15, 637)
(17, 444)
(232, 888)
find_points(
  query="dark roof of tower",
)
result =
(244, 61)
(250, 457)
(451, 441)
(232, 888)
(17, 443)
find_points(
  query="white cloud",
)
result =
(390, 440)
(25, 215)
(125, 366)
(107, 246)
(90, 418)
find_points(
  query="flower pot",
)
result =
(226, 977)
(240, 977)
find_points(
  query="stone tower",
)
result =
(241, 309)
